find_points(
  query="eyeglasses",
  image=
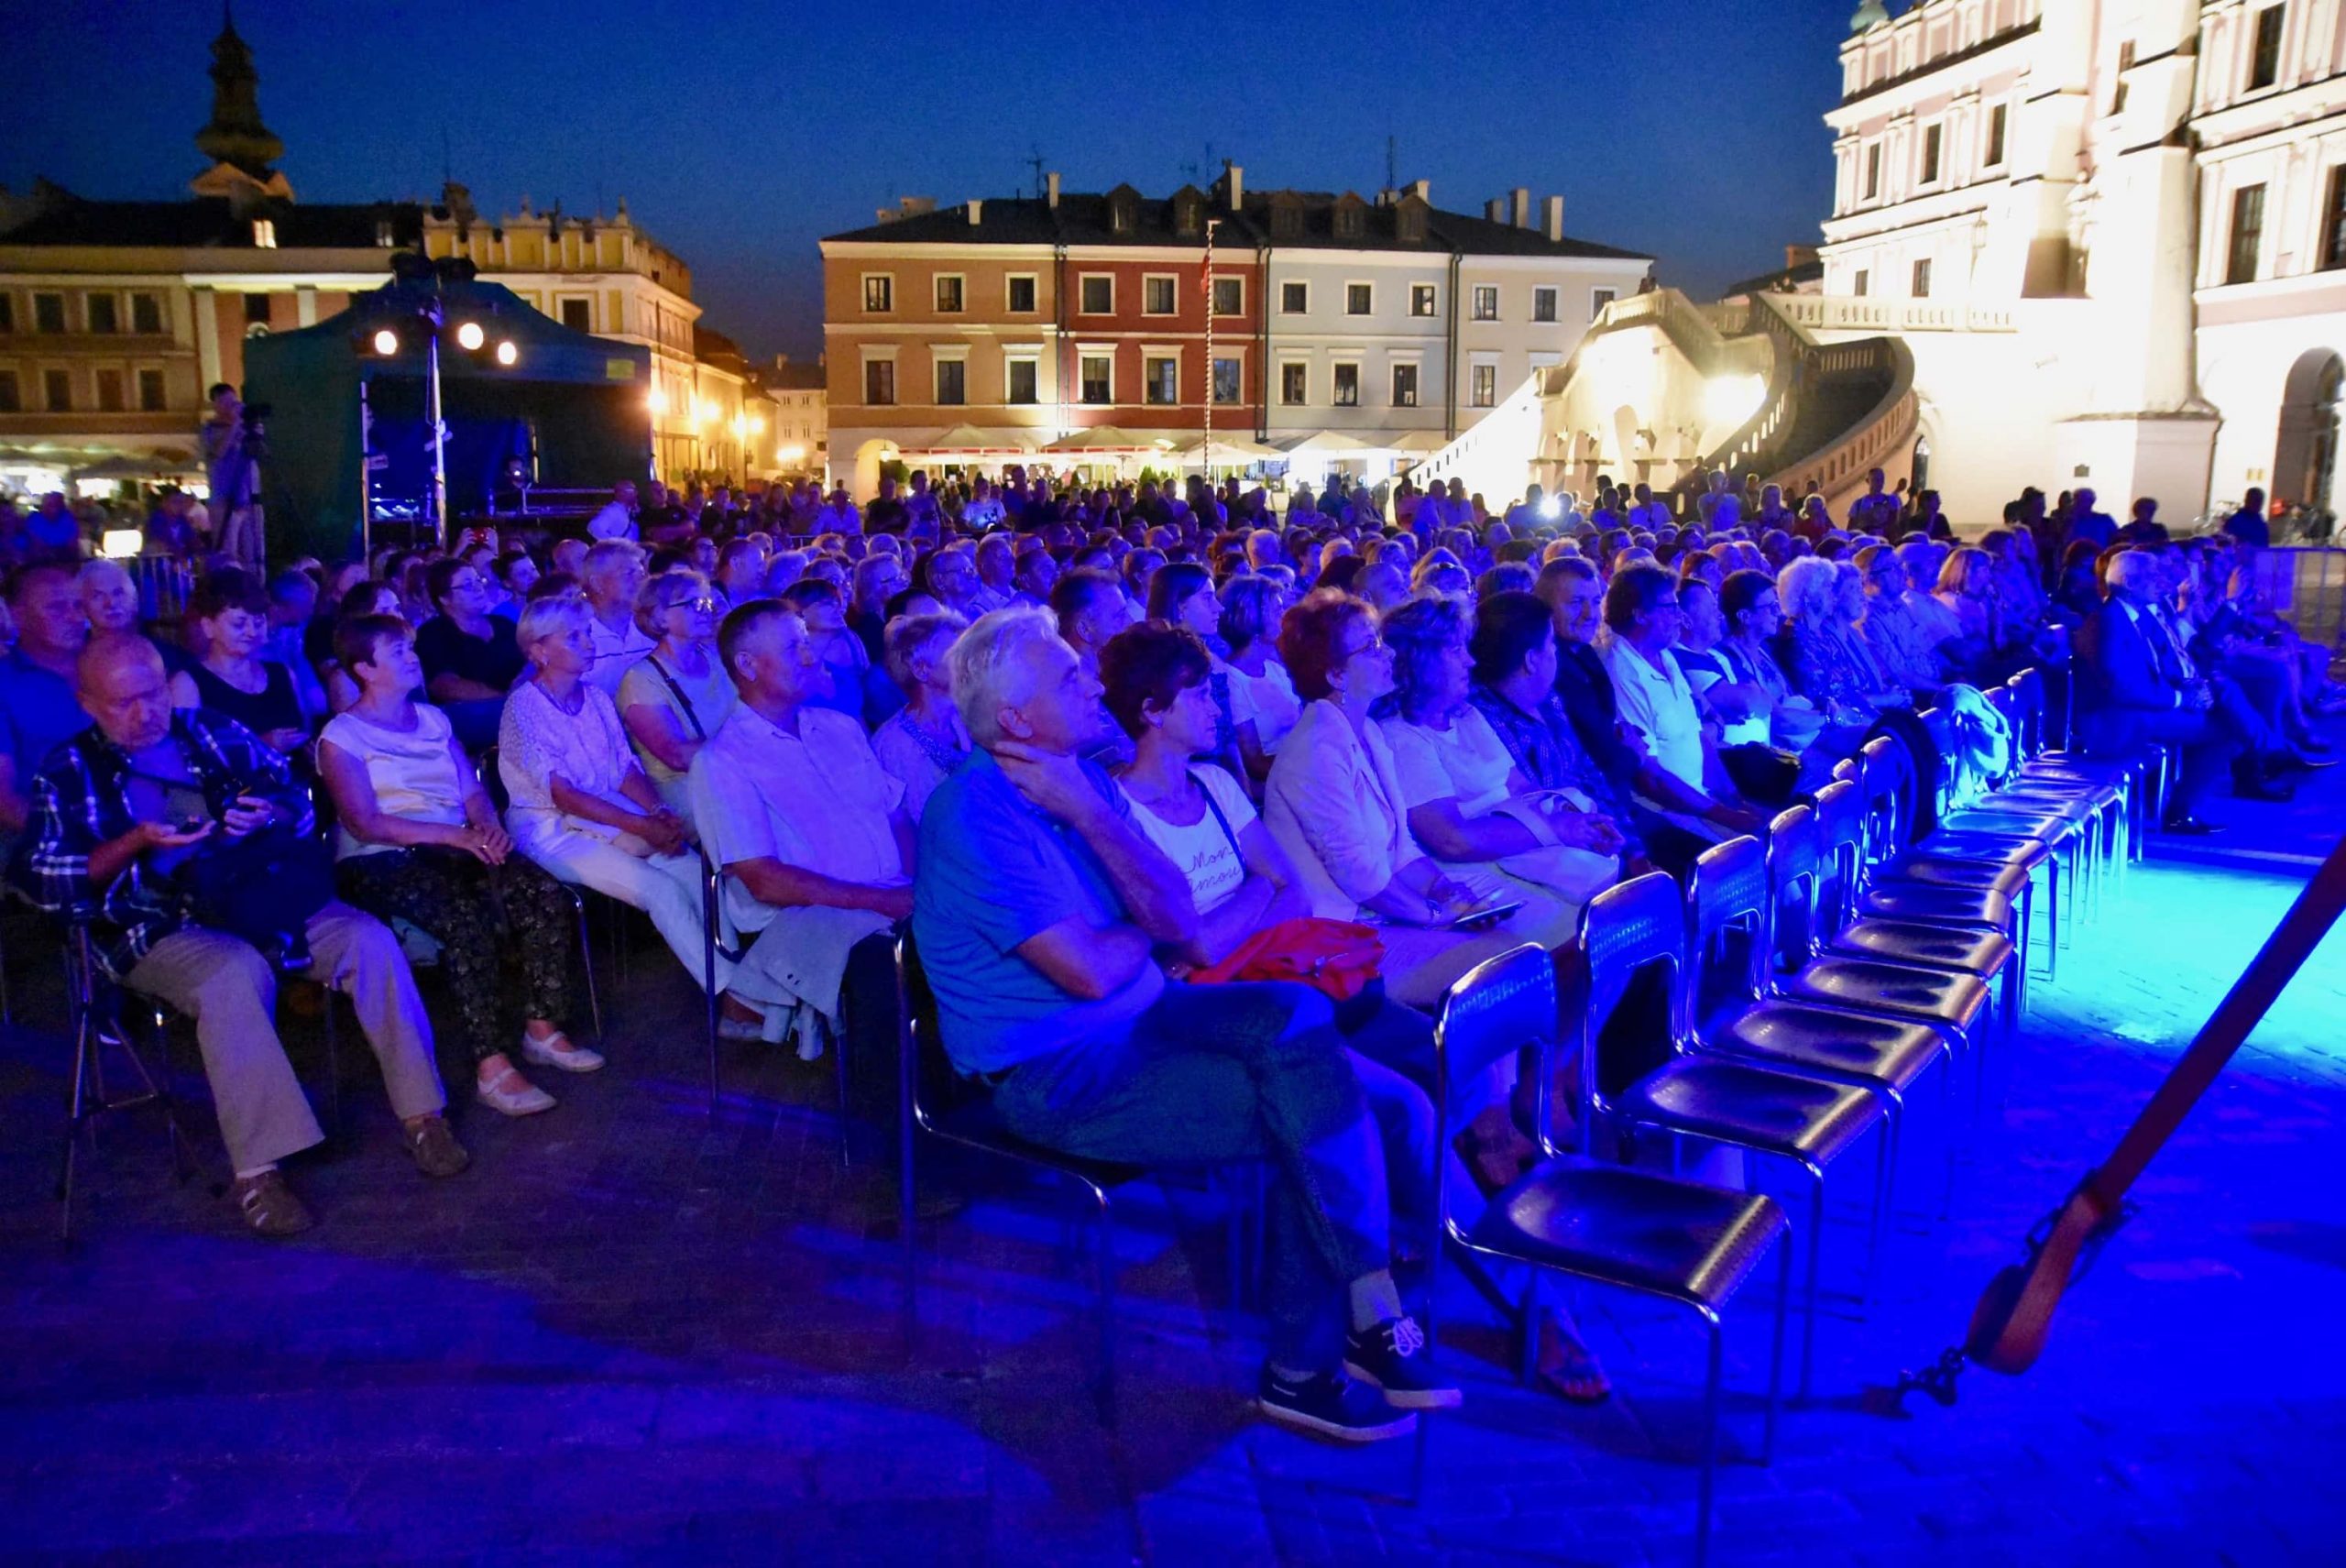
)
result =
(704, 604)
(1376, 644)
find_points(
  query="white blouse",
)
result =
(536, 740)
(412, 772)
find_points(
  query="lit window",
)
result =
(264, 232)
(1347, 389)
(1486, 302)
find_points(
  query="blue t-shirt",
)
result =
(994, 871)
(38, 713)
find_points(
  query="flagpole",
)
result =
(1211, 224)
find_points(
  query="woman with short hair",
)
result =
(417, 839)
(229, 611)
(925, 739)
(1264, 705)
(674, 697)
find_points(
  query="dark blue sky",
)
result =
(740, 133)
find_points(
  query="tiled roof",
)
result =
(198, 223)
(1087, 219)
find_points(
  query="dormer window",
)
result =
(1124, 208)
(1187, 217)
(1409, 221)
(264, 232)
(1287, 219)
(1351, 217)
(383, 233)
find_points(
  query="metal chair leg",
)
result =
(1815, 1257)
(1715, 1375)
(586, 963)
(1776, 1355)
(1104, 1262)
(76, 1100)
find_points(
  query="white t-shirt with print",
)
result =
(1208, 856)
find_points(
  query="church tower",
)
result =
(241, 149)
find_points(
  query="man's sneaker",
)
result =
(435, 1148)
(1330, 1405)
(1392, 1356)
(269, 1205)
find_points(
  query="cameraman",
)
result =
(120, 814)
(229, 461)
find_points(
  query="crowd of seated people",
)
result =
(1086, 744)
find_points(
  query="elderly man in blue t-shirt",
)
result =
(1041, 913)
(39, 710)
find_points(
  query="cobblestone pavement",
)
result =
(633, 1333)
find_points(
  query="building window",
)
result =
(1098, 378)
(2333, 221)
(578, 315)
(1349, 220)
(1347, 387)
(2125, 64)
(7, 311)
(1873, 170)
(1863, 284)
(1486, 302)
(12, 400)
(146, 314)
(949, 294)
(1230, 296)
(1360, 298)
(1486, 386)
(1024, 381)
(49, 312)
(1295, 379)
(880, 382)
(1295, 299)
(1160, 379)
(1021, 294)
(255, 310)
(105, 313)
(1995, 136)
(1543, 305)
(1922, 290)
(2248, 233)
(1931, 137)
(264, 232)
(879, 294)
(1156, 295)
(151, 392)
(2264, 57)
(1098, 296)
(1600, 298)
(57, 392)
(109, 391)
(952, 382)
(1422, 298)
(1405, 386)
(1226, 378)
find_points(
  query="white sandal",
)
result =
(556, 1050)
(513, 1094)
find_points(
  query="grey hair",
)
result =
(548, 617)
(1806, 588)
(990, 667)
(907, 635)
(664, 592)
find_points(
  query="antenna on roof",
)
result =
(1034, 162)
(447, 163)
(1392, 164)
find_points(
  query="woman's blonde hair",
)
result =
(550, 617)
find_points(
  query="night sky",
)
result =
(741, 133)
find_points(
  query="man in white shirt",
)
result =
(837, 515)
(1657, 706)
(997, 562)
(983, 511)
(812, 836)
(614, 576)
(617, 520)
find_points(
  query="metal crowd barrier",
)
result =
(2306, 586)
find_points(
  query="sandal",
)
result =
(269, 1205)
(1569, 1369)
(557, 1052)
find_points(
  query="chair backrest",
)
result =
(1841, 847)
(1493, 1011)
(2021, 702)
(1795, 881)
(1630, 924)
(1728, 888)
(927, 1073)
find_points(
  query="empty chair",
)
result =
(1629, 1230)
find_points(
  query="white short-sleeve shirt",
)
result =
(1466, 763)
(1659, 705)
(1206, 850)
(817, 800)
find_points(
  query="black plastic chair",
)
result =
(933, 1098)
(1805, 1121)
(1631, 1230)
(92, 1004)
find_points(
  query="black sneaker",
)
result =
(1392, 1356)
(1332, 1405)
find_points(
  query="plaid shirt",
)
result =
(81, 799)
(1545, 747)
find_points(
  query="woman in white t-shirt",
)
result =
(676, 697)
(1263, 702)
(1243, 883)
(1468, 804)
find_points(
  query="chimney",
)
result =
(1495, 210)
(1051, 188)
(1551, 218)
(1237, 177)
(977, 212)
(1799, 256)
(1422, 190)
(1522, 208)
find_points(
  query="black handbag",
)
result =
(262, 888)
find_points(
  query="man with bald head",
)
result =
(120, 814)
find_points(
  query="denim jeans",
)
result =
(1216, 1074)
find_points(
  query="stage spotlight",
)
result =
(387, 341)
(506, 353)
(470, 336)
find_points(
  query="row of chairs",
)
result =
(1813, 980)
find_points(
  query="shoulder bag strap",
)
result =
(1215, 806)
(677, 691)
